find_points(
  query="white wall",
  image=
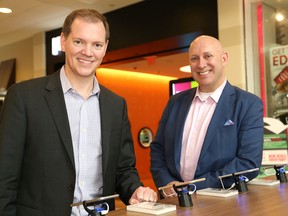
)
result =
(30, 57)
(231, 35)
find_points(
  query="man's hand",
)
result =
(170, 192)
(142, 194)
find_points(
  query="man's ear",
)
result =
(107, 42)
(225, 58)
(62, 41)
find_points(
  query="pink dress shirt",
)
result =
(196, 124)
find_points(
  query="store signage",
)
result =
(279, 65)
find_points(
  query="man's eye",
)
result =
(98, 45)
(77, 42)
(207, 56)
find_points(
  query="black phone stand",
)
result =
(184, 198)
(93, 212)
(280, 173)
(240, 182)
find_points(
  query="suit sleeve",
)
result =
(160, 158)
(127, 176)
(12, 141)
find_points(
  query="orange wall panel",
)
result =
(146, 96)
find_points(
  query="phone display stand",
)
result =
(184, 197)
(240, 183)
(239, 178)
(100, 206)
(98, 209)
(280, 173)
(184, 191)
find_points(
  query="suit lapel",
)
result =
(183, 112)
(55, 100)
(223, 108)
(178, 115)
(105, 113)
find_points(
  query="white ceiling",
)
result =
(30, 17)
(33, 16)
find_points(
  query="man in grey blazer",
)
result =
(64, 138)
(209, 131)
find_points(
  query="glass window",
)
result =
(266, 27)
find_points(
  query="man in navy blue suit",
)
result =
(209, 131)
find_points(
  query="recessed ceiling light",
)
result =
(5, 10)
(185, 69)
(279, 17)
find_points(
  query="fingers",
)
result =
(150, 195)
(133, 201)
(142, 194)
(169, 192)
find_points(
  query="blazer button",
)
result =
(71, 188)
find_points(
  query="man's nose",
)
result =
(202, 63)
(87, 50)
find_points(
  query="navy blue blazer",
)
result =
(226, 148)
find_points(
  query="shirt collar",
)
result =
(66, 85)
(214, 95)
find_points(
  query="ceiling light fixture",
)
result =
(185, 69)
(5, 10)
(279, 17)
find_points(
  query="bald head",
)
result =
(207, 61)
(206, 39)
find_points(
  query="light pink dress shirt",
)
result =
(196, 124)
